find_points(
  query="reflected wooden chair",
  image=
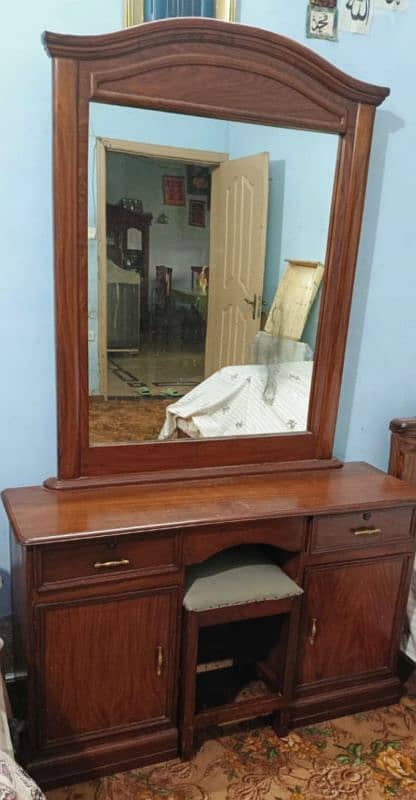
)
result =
(163, 286)
(236, 586)
(195, 273)
(161, 301)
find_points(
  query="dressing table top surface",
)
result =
(39, 515)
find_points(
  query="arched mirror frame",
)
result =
(206, 68)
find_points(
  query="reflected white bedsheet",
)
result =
(231, 403)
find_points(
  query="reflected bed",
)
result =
(244, 400)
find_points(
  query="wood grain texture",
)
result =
(140, 478)
(204, 31)
(59, 768)
(402, 462)
(90, 640)
(128, 556)
(67, 278)
(404, 425)
(341, 701)
(40, 515)
(290, 533)
(358, 530)
(213, 69)
(355, 630)
(115, 644)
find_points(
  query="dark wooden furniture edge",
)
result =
(402, 459)
(191, 474)
(405, 426)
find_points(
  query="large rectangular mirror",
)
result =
(206, 260)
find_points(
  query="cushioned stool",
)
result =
(238, 585)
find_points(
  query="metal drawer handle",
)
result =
(366, 531)
(159, 660)
(123, 562)
(314, 631)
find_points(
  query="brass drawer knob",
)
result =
(314, 631)
(159, 660)
(366, 531)
(123, 562)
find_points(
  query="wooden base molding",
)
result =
(329, 705)
(59, 769)
(203, 473)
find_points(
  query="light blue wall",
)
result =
(380, 368)
(379, 378)
(27, 396)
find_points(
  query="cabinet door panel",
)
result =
(99, 666)
(355, 608)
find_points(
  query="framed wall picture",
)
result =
(138, 11)
(197, 213)
(198, 179)
(174, 190)
(322, 20)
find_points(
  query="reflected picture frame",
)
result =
(133, 11)
(197, 213)
(174, 190)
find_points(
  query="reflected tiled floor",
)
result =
(157, 369)
(140, 386)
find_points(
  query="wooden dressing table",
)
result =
(98, 584)
(100, 552)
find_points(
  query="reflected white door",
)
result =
(240, 191)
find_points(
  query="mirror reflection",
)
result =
(207, 242)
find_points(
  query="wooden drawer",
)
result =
(106, 558)
(360, 529)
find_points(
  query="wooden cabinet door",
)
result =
(106, 664)
(352, 613)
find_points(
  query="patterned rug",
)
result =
(126, 420)
(367, 756)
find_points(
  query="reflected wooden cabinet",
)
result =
(119, 222)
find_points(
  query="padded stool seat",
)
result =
(237, 587)
(234, 577)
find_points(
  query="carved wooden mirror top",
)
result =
(229, 72)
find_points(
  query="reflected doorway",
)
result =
(203, 291)
(154, 212)
(163, 213)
